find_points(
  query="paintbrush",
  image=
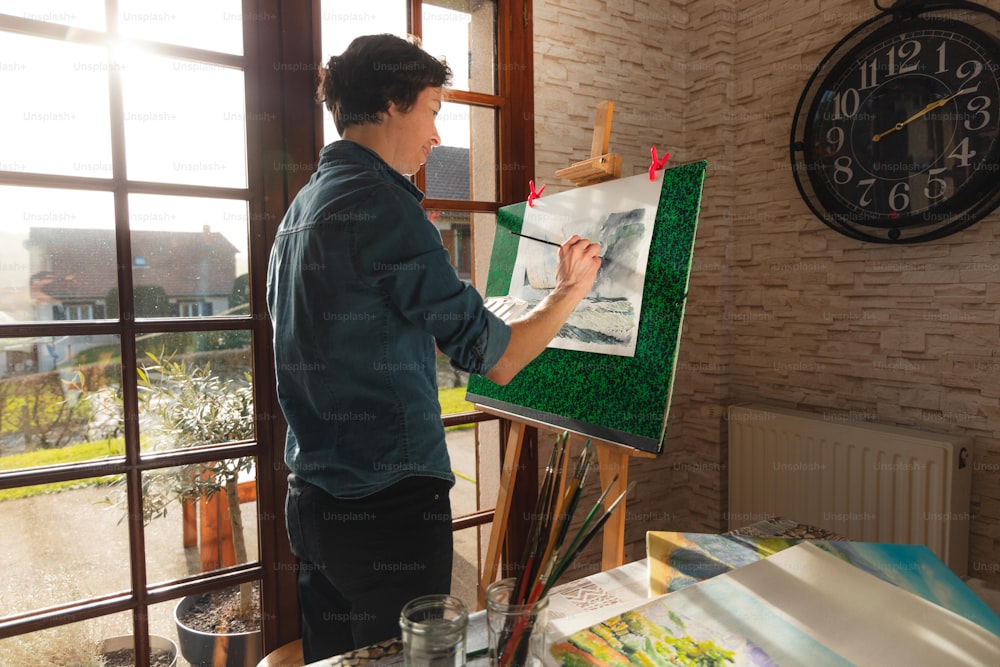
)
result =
(532, 546)
(549, 516)
(577, 549)
(558, 245)
(568, 507)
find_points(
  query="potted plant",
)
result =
(120, 651)
(193, 406)
(80, 645)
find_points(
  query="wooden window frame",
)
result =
(280, 85)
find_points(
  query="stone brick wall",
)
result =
(782, 309)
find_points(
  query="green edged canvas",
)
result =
(618, 399)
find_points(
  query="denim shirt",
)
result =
(359, 289)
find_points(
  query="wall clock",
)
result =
(896, 137)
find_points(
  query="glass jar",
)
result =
(433, 630)
(517, 632)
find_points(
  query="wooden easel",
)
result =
(600, 166)
(612, 458)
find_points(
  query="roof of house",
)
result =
(83, 262)
(447, 172)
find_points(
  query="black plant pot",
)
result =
(242, 649)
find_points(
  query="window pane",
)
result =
(68, 546)
(59, 400)
(195, 390)
(456, 171)
(74, 644)
(59, 124)
(57, 247)
(189, 256)
(456, 235)
(184, 122)
(342, 22)
(463, 33)
(80, 13)
(198, 536)
(215, 26)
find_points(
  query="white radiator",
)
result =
(865, 481)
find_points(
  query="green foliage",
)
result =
(178, 343)
(49, 409)
(195, 407)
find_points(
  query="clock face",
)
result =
(903, 131)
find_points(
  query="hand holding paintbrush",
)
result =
(603, 258)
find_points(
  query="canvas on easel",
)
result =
(617, 396)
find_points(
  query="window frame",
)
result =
(282, 119)
(141, 595)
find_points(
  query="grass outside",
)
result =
(87, 451)
(452, 401)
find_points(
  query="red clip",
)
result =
(534, 194)
(656, 164)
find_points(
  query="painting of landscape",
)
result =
(607, 320)
(802, 606)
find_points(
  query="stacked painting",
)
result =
(762, 602)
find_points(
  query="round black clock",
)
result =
(896, 138)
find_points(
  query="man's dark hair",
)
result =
(359, 84)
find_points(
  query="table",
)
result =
(574, 605)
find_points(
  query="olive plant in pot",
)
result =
(193, 406)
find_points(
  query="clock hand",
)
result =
(930, 107)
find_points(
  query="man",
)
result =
(360, 292)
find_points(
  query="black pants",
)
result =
(362, 560)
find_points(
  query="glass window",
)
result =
(78, 643)
(451, 28)
(79, 311)
(464, 166)
(59, 400)
(185, 121)
(139, 198)
(60, 123)
(176, 196)
(78, 13)
(215, 25)
(56, 247)
(190, 254)
(188, 525)
(194, 389)
(56, 554)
